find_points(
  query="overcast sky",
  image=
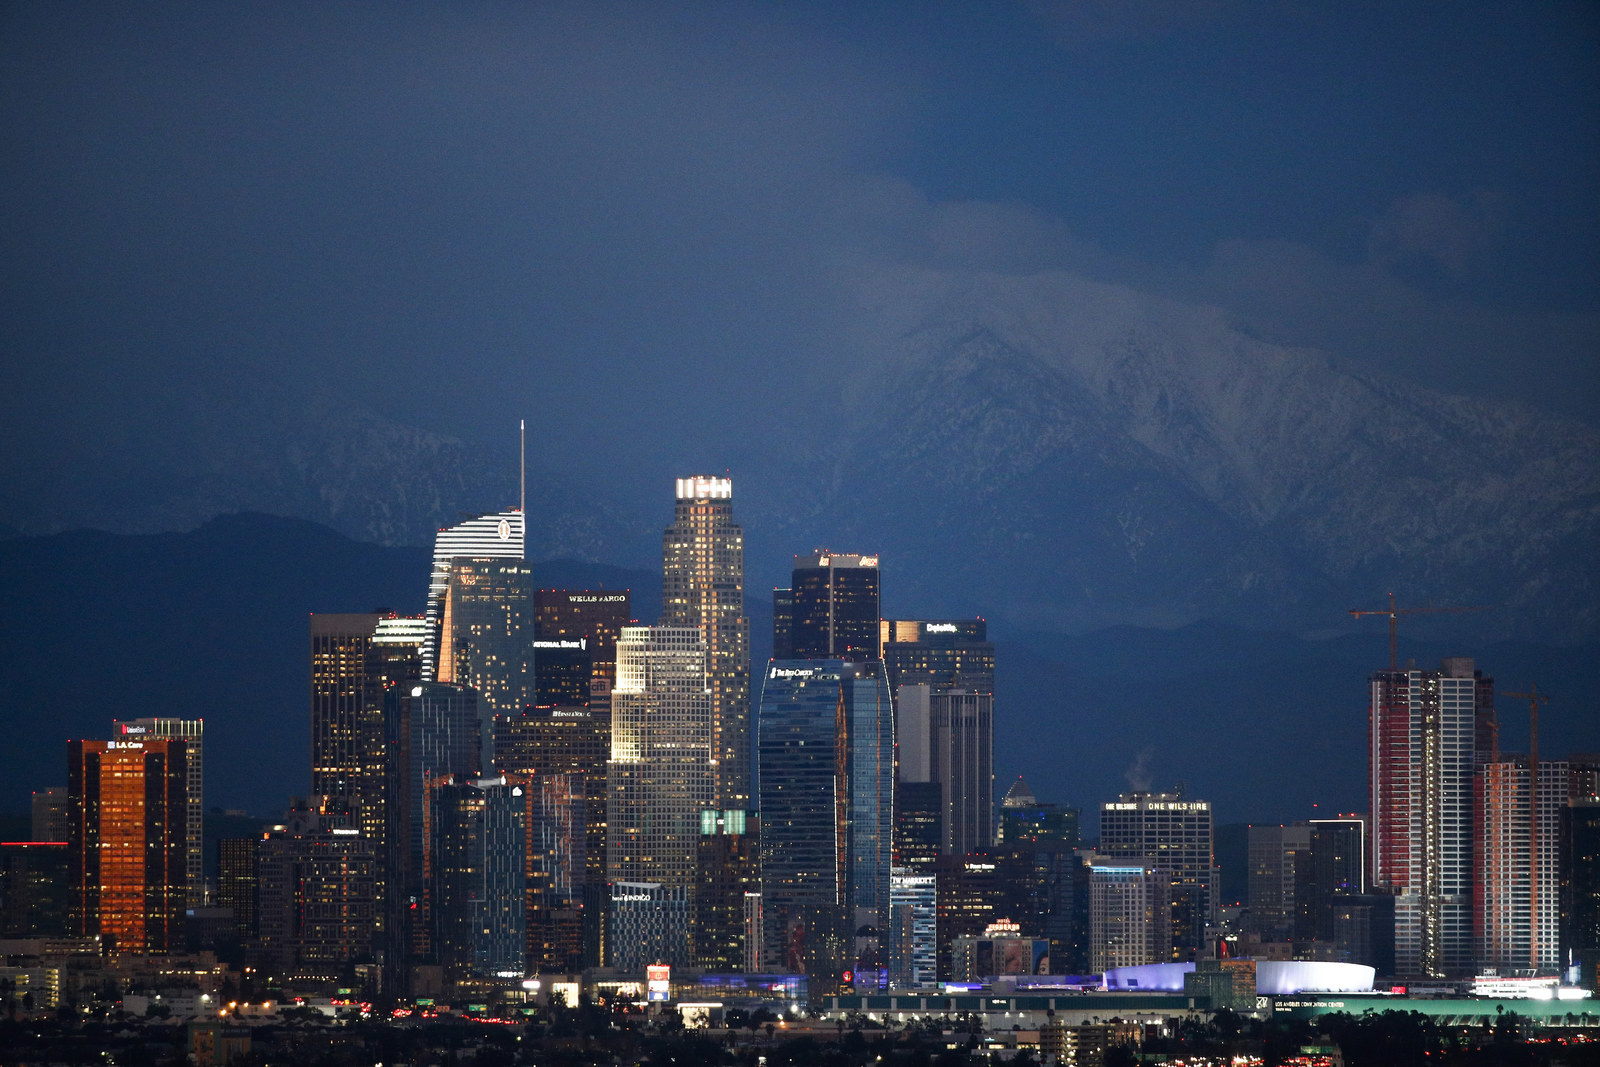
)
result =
(621, 220)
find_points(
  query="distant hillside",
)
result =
(212, 623)
(208, 624)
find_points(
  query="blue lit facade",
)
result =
(826, 753)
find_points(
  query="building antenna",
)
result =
(522, 497)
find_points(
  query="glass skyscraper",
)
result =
(702, 556)
(834, 605)
(497, 536)
(826, 743)
(662, 772)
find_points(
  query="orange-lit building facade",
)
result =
(128, 804)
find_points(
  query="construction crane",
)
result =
(1534, 699)
(1394, 614)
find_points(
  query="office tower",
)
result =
(238, 875)
(1423, 752)
(478, 876)
(35, 889)
(51, 814)
(1129, 918)
(918, 823)
(1517, 891)
(497, 536)
(703, 587)
(649, 924)
(950, 653)
(596, 614)
(662, 773)
(1002, 949)
(947, 736)
(1330, 881)
(783, 623)
(1276, 856)
(128, 839)
(1174, 834)
(563, 674)
(433, 735)
(191, 731)
(973, 891)
(728, 866)
(316, 905)
(911, 939)
(486, 636)
(346, 720)
(826, 738)
(572, 745)
(566, 889)
(1026, 821)
(1580, 889)
(835, 607)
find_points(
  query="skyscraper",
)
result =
(498, 536)
(345, 725)
(1175, 835)
(728, 870)
(563, 752)
(316, 897)
(951, 653)
(1517, 890)
(1423, 737)
(596, 614)
(1276, 855)
(827, 793)
(128, 840)
(703, 586)
(834, 600)
(662, 773)
(1129, 921)
(191, 731)
(486, 632)
(947, 736)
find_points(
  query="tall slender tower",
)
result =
(703, 586)
(1423, 753)
(191, 731)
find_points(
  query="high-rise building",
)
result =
(783, 623)
(191, 731)
(1424, 732)
(947, 736)
(918, 823)
(316, 897)
(238, 880)
(486, 636)
(650, 924)
(433, 733)
(478, 876)
(1024, 820)
(1174, 834)
(826, 738)
(1580, 888)
(346, 727)
(498, 536)
(1329, 882)
(948, 653)
(728, 865)
(973, 892)
(1517, 892)
(1276, 856)
(128, 839)
(51, 814)
(35, 889)
(911, 938)
(595, 614)
(662, 772)
(1129, 920)
(835, 608)
(703, 586)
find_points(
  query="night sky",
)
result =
(664, 232)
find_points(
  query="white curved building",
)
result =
(1273, 977)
